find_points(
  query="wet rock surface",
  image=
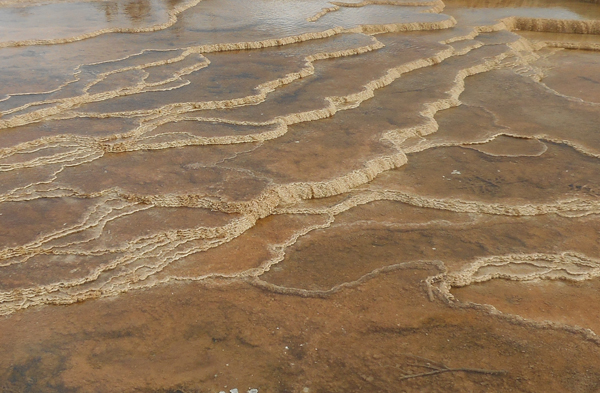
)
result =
(307, 196)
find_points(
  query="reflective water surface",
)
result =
(299, 196)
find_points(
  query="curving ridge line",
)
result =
(107, 145)
(413, 265)
(372, 168)
(338, 103)
(287, 194)
(70, 103)
(279, 195)
(510, 24)
(108, 208)
(437, 6)
(167, 245)
(142, 86)
(581, 206)
(173, 16)
(567, 266)
(158, 251)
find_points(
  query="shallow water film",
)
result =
(299, 196)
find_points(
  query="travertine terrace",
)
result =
(299, 196)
